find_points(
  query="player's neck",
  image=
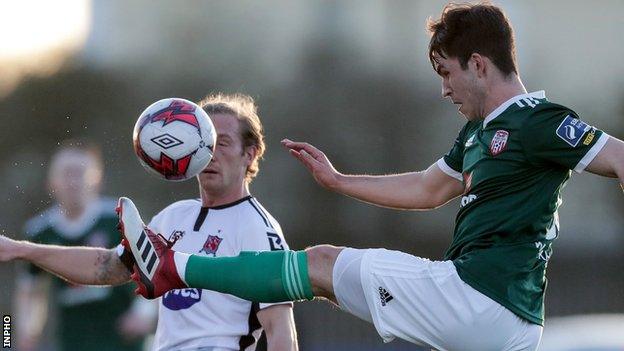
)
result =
(502, 90)
(218, 198)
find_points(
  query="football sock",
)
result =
(267, 276)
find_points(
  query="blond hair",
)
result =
(244, 108)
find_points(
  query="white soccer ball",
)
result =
(174, 139)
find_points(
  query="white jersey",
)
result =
(192, 318)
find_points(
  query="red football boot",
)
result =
(154, 269)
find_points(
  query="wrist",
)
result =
(340, 182)
(23, 250)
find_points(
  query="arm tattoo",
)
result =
(109, 269)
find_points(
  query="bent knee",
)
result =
(321, 260)
(321, 255)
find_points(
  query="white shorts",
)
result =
(426, 303)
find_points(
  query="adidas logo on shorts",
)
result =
(385, 296)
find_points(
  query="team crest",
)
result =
(499, 142)
(211, 245)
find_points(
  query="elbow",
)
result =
(424, 207)
(619, 172)
(431, 203)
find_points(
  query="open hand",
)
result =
(316, 162)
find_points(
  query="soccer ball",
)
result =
(174, 139)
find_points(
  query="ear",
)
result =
(250, 154)
(479, 64)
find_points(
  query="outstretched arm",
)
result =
(610, 160)
(79, 265)
(423, 190)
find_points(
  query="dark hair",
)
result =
(244, 109)
(464, 29)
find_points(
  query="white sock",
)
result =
(180, 259)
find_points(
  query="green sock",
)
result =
(267, 276)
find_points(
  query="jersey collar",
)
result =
(505, 105)
(234, 203)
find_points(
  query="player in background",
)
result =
(89, 318)
(224, 221)
(508, 164)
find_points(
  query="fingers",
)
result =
(298, 146)
(308, 161)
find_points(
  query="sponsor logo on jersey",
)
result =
(499, 142)
(553, 231)
(211, 245)
(176, 235)
(571, 130)
(181, 299)
(384, 296)
(590, 136)
(465, 200)
(544, 250)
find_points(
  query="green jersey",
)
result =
(87, 316)
(514, 164)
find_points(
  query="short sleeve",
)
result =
(264, 238)
(561, 138)
(452, 162)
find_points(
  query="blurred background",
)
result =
(351, 77)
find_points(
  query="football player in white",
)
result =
(223, 222)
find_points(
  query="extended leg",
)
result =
(271, 276)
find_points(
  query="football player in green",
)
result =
(89, 318)
(508, 165)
